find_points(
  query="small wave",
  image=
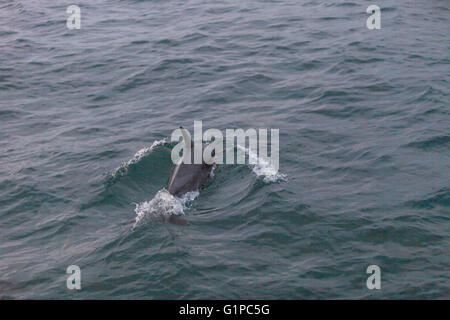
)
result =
(440, 198)
(263, 168)
(436, 143)
(123, 168)
(163, 205)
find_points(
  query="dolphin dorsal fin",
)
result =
(188, 146)
(187, 138)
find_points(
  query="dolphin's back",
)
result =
(188, 177)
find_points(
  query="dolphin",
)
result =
(189, 177)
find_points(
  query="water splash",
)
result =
(123, 168)
(263, 168)
(163, 205)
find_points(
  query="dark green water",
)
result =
(364, 147)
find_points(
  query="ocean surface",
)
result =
(85, 123)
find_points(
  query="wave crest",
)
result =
(123, 168)
(163, 205)
(263, 168)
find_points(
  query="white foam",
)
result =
(122, 169)
(188, 197)
(163, 205)
(262, 168)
